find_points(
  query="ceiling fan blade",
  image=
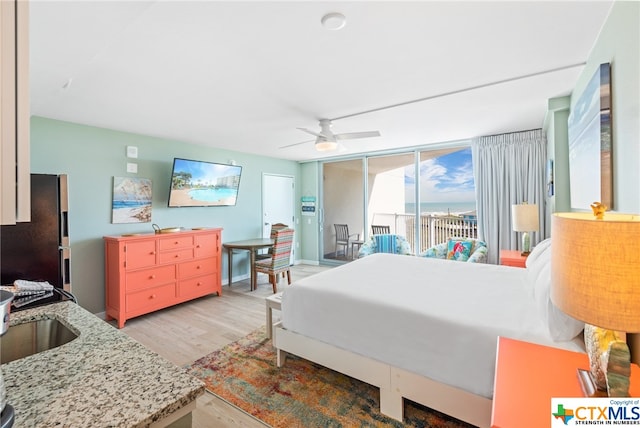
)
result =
(296, 144)
(354, 135)
(311, 132)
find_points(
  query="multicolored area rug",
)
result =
(300, 394)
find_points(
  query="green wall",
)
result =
(619, 44)
(92, 156)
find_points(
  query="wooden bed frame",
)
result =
(394, 383)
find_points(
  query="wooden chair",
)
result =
(343, 238)
(380, 230)
(267, 254)
(279, 262)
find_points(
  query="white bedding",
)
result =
(437, 318)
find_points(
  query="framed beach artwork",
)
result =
(131, 200)
(590, 144)
(550, 191)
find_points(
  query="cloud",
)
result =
(448, 178)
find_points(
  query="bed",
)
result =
(422, 328)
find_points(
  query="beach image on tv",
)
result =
(199, 183)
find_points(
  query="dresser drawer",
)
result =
(151, 299)
(150, 277)
(139, 254)
(174, 242)
(175, 256)
(197, 287)
(197, 267)
(206, 245)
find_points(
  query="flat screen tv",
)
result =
(197, 183)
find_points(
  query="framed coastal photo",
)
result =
(550, 177)
(590, 143)
(131, 200)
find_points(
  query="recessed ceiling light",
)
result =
(333, 21)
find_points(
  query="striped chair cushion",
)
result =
(386, 244)
(281, 250)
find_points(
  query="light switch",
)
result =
(132, 167)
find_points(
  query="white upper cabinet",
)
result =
(15, 187)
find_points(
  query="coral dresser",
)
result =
(147, 272)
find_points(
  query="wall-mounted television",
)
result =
(196, 183)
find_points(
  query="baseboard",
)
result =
(307, 262)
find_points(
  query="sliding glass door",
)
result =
(425, 196)
(342, 204)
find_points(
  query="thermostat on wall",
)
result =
(132, 152)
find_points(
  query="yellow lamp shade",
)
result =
(595, 268)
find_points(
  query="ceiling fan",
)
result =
(326, 140)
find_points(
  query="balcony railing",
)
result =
(434, 229)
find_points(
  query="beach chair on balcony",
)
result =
(470, 250)
(344, 238)
(380, 230)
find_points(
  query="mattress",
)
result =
(437, 318)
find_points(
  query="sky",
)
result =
(448, 178)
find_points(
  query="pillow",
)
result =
(561, 326)
(539, 258)
(458, 250)
(537, 251)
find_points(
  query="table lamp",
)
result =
(525, 219)
(595, 278)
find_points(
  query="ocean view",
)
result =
(441, 207)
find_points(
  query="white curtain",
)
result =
(508, 169)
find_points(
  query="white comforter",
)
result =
(437, 318)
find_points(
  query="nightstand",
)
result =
(272, 302)
(512, 258)
(529, 375)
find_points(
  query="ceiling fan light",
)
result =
(325, 146)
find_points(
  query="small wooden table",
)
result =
(528, 376)
(355, 246)
(512, 258)
(251, 245)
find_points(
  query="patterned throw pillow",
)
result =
(458, 250)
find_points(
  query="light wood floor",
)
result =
(186, 332)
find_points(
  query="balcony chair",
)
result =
(461, 249)
(343, 238)
(385, 243)
(279, 262)
(380, 230)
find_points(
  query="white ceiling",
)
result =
(244, 75)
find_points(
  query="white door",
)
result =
(278, 202)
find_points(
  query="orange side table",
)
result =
(512, 258)
(528, 376)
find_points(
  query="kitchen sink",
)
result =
(22, 340)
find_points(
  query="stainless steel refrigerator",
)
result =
(39, 250)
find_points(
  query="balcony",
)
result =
(434, 228)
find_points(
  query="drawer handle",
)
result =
(153, 296)
(152, 252)
(152, 276)
(176, 256)
(199, 284)
(198, 267)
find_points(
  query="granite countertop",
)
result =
(103, 378)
